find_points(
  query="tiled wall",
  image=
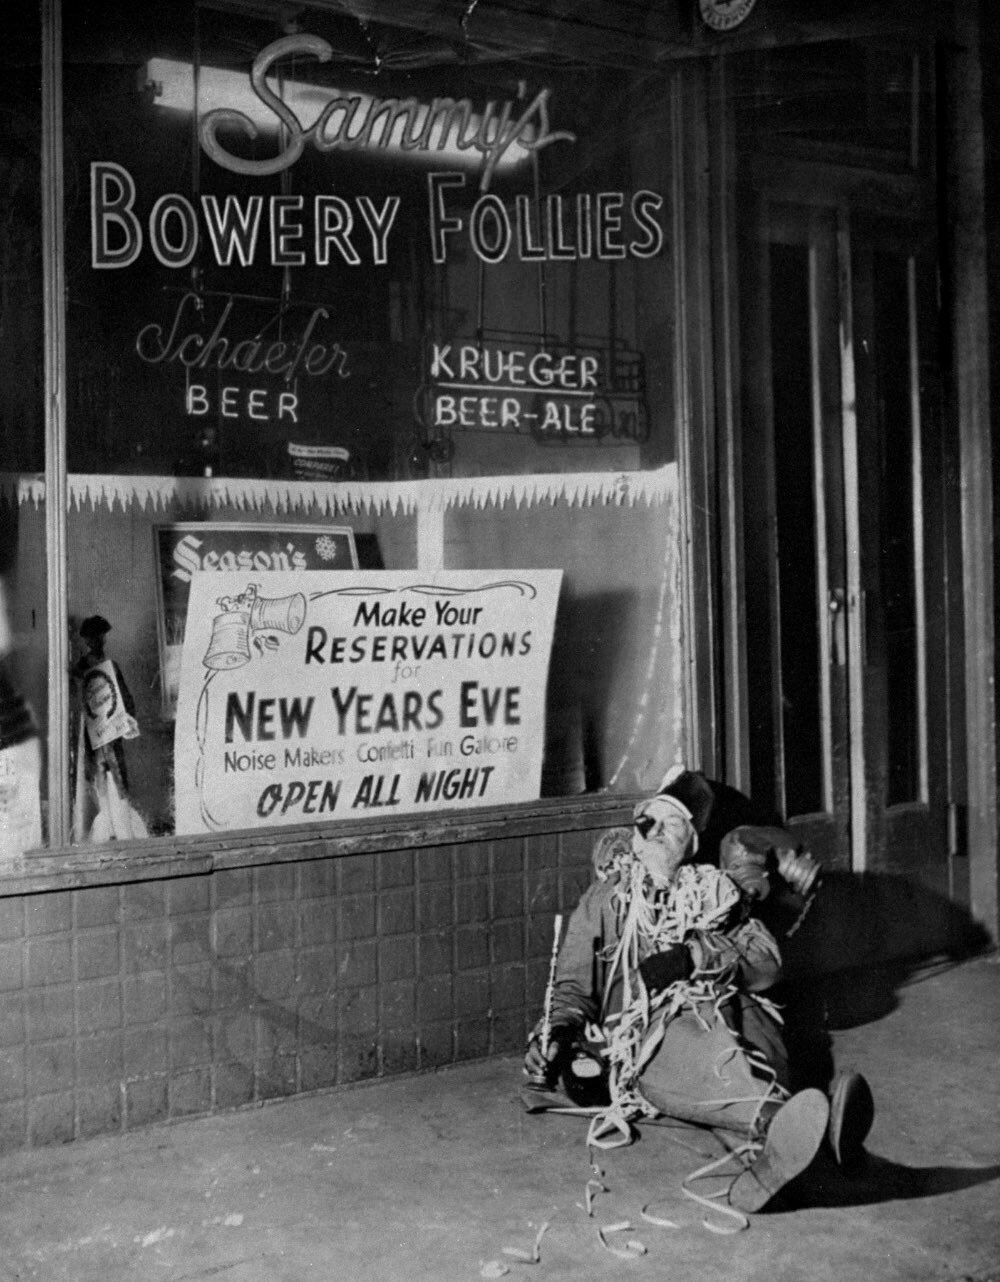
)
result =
(123, 1005)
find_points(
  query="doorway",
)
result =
(844, 534)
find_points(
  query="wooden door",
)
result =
(846, 631)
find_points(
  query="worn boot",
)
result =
(852, 1111)
(793, 1140)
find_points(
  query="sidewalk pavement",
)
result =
(433, 1176)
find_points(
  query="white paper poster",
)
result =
(324, 696)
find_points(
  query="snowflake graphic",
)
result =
(326, 548)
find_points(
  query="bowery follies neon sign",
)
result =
(286, 230)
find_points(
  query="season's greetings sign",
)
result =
(332, 696)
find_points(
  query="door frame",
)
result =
(716, 621)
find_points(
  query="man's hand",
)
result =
(542, 1068)
(660, 970)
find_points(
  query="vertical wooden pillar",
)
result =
(54, 294)
(964, 184)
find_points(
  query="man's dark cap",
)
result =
(692, 790)
(95, 626)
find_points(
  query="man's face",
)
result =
(662, 838)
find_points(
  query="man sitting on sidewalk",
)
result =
(659, 1006)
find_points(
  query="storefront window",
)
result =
(344, 297)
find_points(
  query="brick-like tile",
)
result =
(190, 1093)
(144, 998)
(13, 1077)
(318, 1066)
(190, 1043)
(50, 1067)
(234, 1037)
(358, 1010)
(145, 945)
(100, 1058)
(356, 963)
(399, 1051)
(231, 887)
(190, 990)
(397, 958)
(233, 983)
(356, 874)
(146, 1101)
(507, 985)
(144, 1052)
(396, 912)
(273, 882)
(276, 926)
(49, 960)
(576, 848)
(543, 892)
(508, 897)
(472, 901)
(11, 966)
(49, 1012)
(508, 856)
(472, 946)
(318, 879)
(397, 1004)
(436, 952)
(435, 1000)
(233, 1085)
(13, 1125)
(472, 860)
(316, 969)
(435, 905)
(541, 926)
(358, 1057)
(233, 932)
(436, 1044)
(276, 1032)
(434, 864)
(49, 914)
(143, 900)
(51, 1119)
(275, 976)
(509, 1032)
(472, 1038)
(317, 1021)
(472, 994)
(98, 1110)
(395, 868)
(317, 922)
(191, 939)
(277, 1077)
(11, 918)
(96, 906)
(508, 940)
(541, 851)
(188, 895)
(12, 1025)
(97, 954)
(98, 1005)
(357, 917)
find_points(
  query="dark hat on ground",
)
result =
(692, 790)
(95, 626)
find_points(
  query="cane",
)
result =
(547, 1011)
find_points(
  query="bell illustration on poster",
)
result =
(102, 810)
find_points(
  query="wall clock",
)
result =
(723, 15)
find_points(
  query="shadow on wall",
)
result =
(865, 932)
(864, 937)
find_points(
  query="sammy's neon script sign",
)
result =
(349, 121)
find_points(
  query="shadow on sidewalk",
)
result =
(879, 1180)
